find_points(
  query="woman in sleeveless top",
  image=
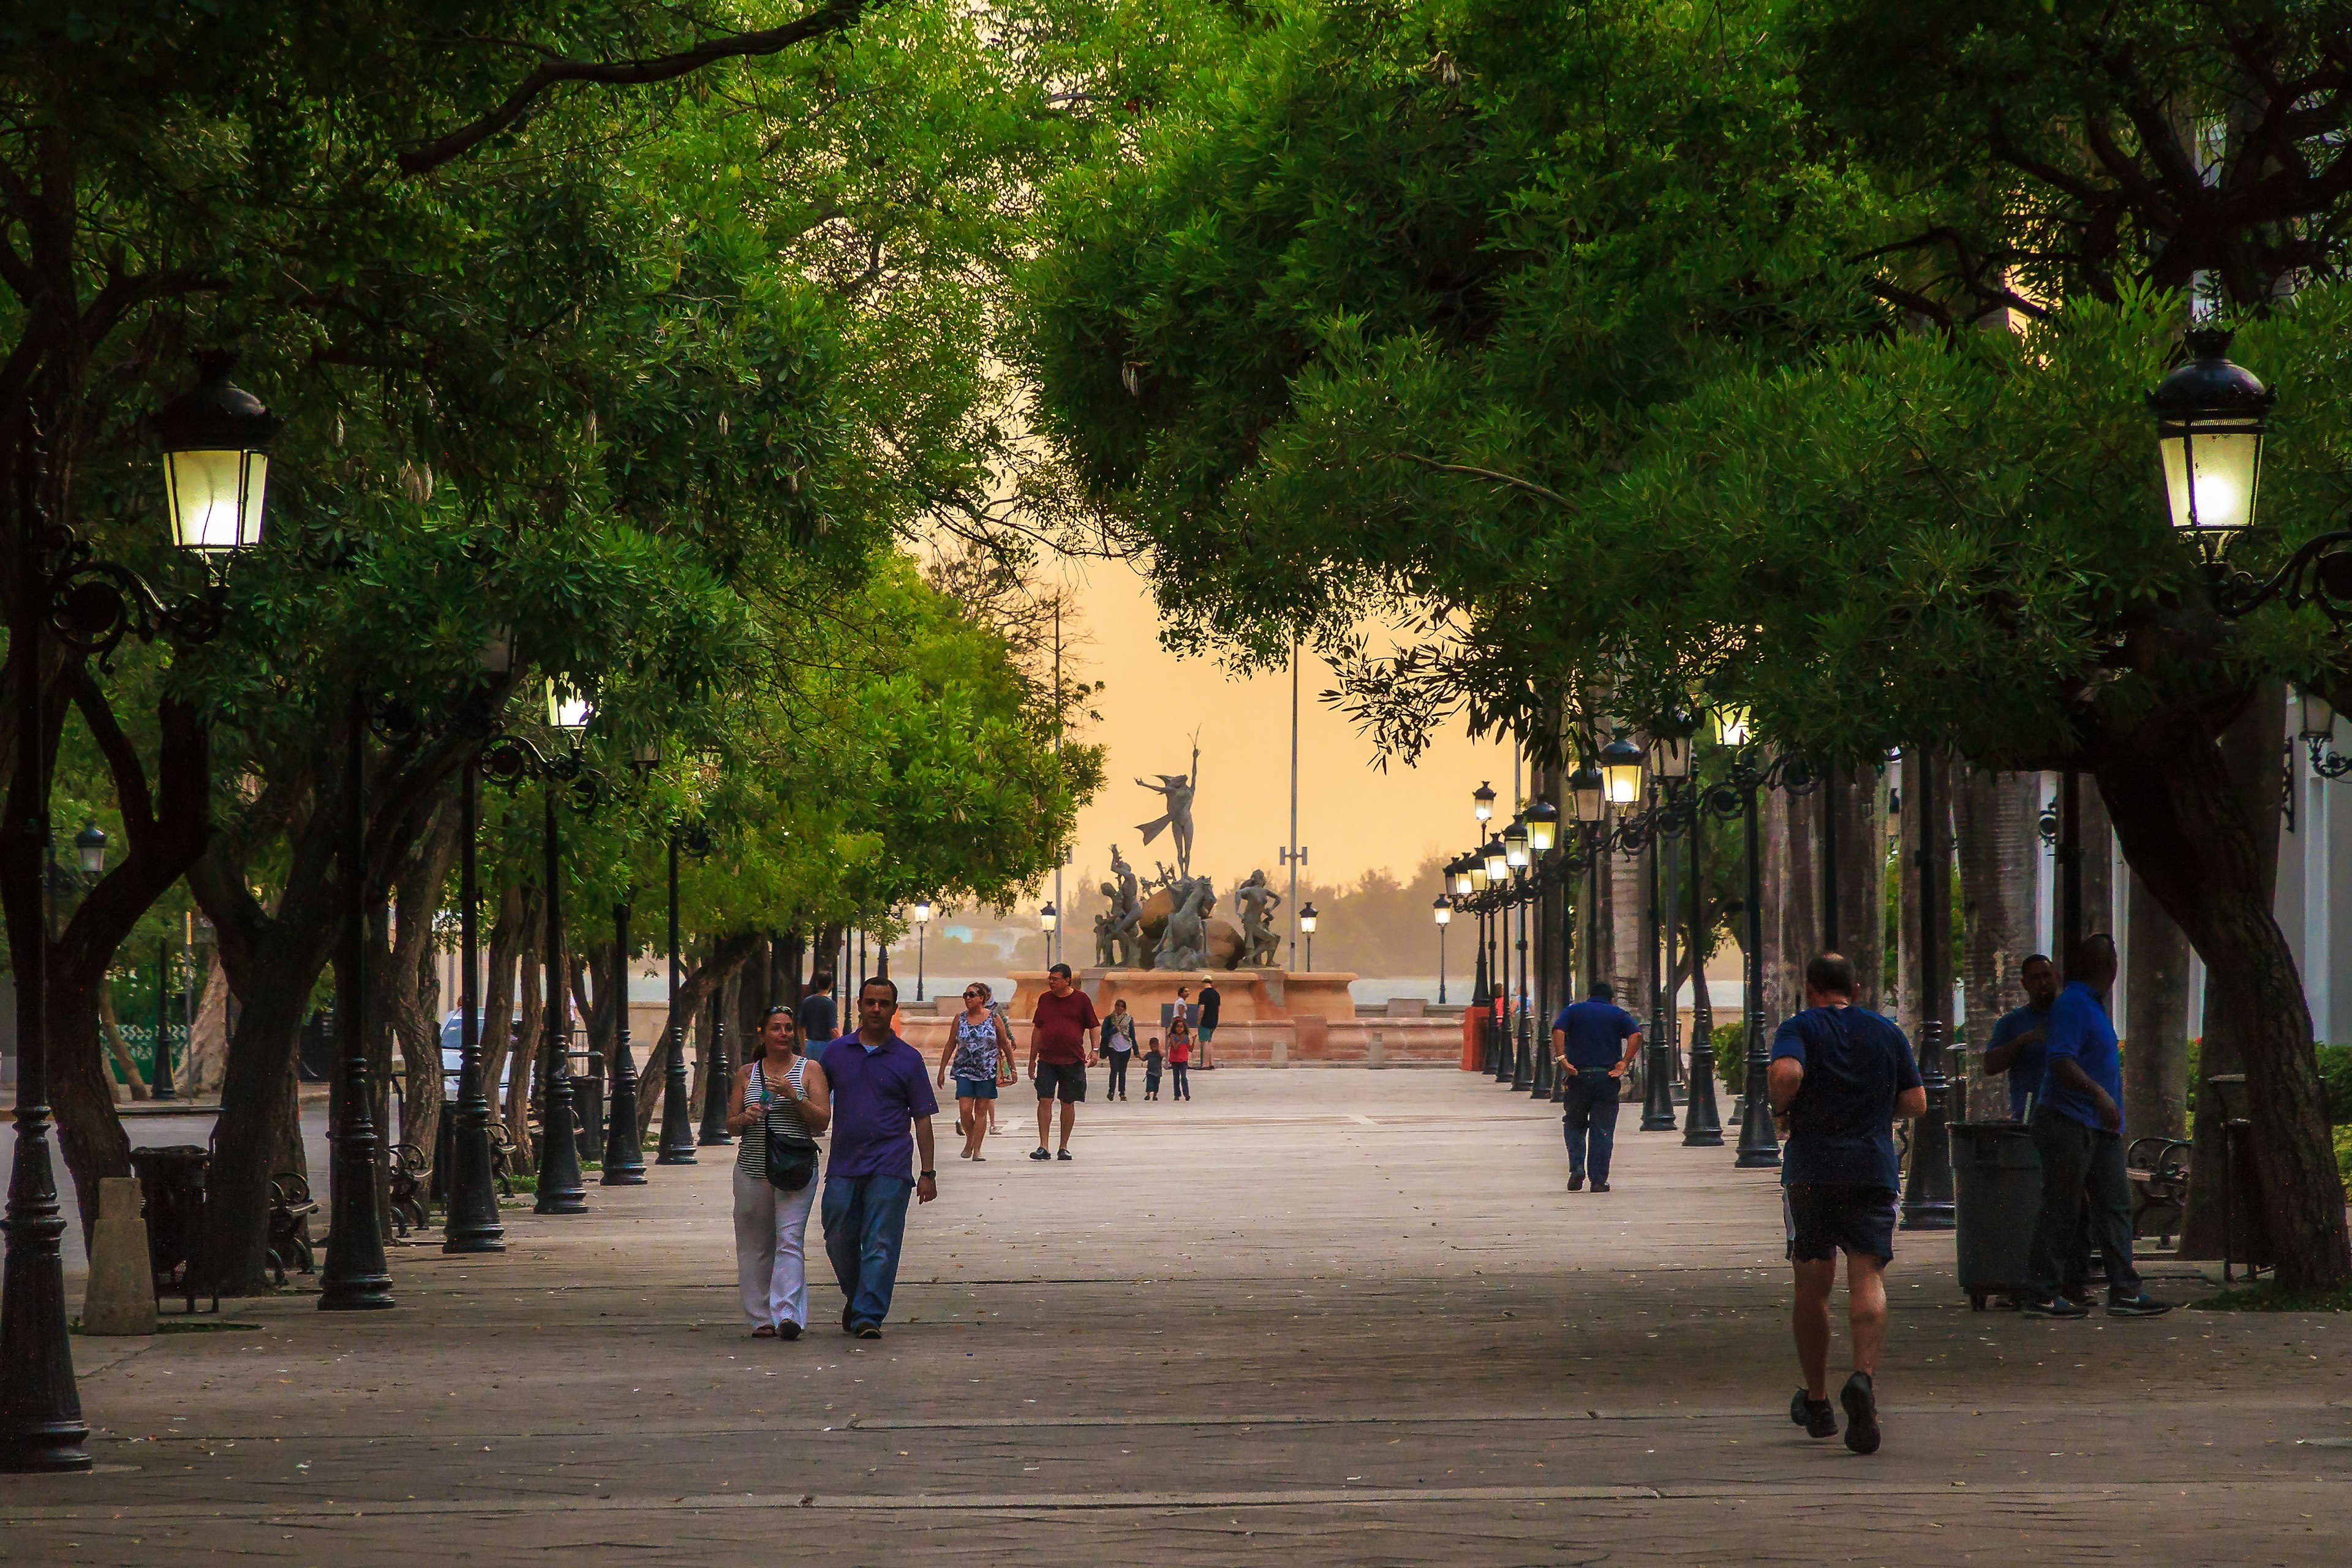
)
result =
(977, 1042)
(785, 1090)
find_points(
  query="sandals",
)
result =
(765, 1331)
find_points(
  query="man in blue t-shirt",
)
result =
(882, 1111)
(2078, 1131)
(2019, 1039)
(1593, 1041)
(1840, 1077)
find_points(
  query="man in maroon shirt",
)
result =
(1061, 1037)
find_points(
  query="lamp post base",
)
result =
(1702, 1127)
(41, 1426)
(1658, 1089)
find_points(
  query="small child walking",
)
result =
(1179, 1054)
(1152, 1069)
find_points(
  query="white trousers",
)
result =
(769, 1264)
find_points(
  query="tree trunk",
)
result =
(208, 1032)
(1860, 822)
(81, 1093)
(2097, 835)
(529, 1009)
(510, 912)
(750, 990)
(412, 992)
(2156, 1022)
(726, 957)
(1996, 822)
(2202, 828)
(133, 1080)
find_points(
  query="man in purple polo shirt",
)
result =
(880, 1089)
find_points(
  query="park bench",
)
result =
(291, 1208)
(2159, 1170)
(502, 1159)
(405, 1189)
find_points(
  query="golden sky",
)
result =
(1352, 815)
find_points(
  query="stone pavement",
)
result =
(1314, 1317)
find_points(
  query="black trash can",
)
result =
(1996, 1193)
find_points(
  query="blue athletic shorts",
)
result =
(1826, 1218)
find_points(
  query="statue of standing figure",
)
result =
(1255, 903)
(1177, 791)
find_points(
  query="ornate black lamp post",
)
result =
(1515, 859)
(471, 1223)
(1307, 928)
(1927, 1202)
(510, 759)
(1471, 884)
(215, 442)
(1494, 861)
(678, 1114)
(1702, 1126)
(922, 915)
(624, 1159)
(1542, 820)
(1442, 910)
(1759, 1141)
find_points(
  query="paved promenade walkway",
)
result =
(1314, 1317)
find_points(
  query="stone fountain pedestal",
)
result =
(1268, 1018)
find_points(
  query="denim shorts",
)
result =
(975, 1089)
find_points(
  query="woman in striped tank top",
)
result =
(785, 1089)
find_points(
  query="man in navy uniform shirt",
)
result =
(2019, 1039)
(1585, 1042)
(1840, 1077)
(2078, 1131)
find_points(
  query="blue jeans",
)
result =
(1590, 1123)
(865, 1221)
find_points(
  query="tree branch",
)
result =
(829, 19)
(1490, 475)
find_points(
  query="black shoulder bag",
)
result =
(791, 1158)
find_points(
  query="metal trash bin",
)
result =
(173, 1180)
(1997, 1196)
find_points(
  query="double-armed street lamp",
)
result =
(216, 443)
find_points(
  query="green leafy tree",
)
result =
(1590, 335)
